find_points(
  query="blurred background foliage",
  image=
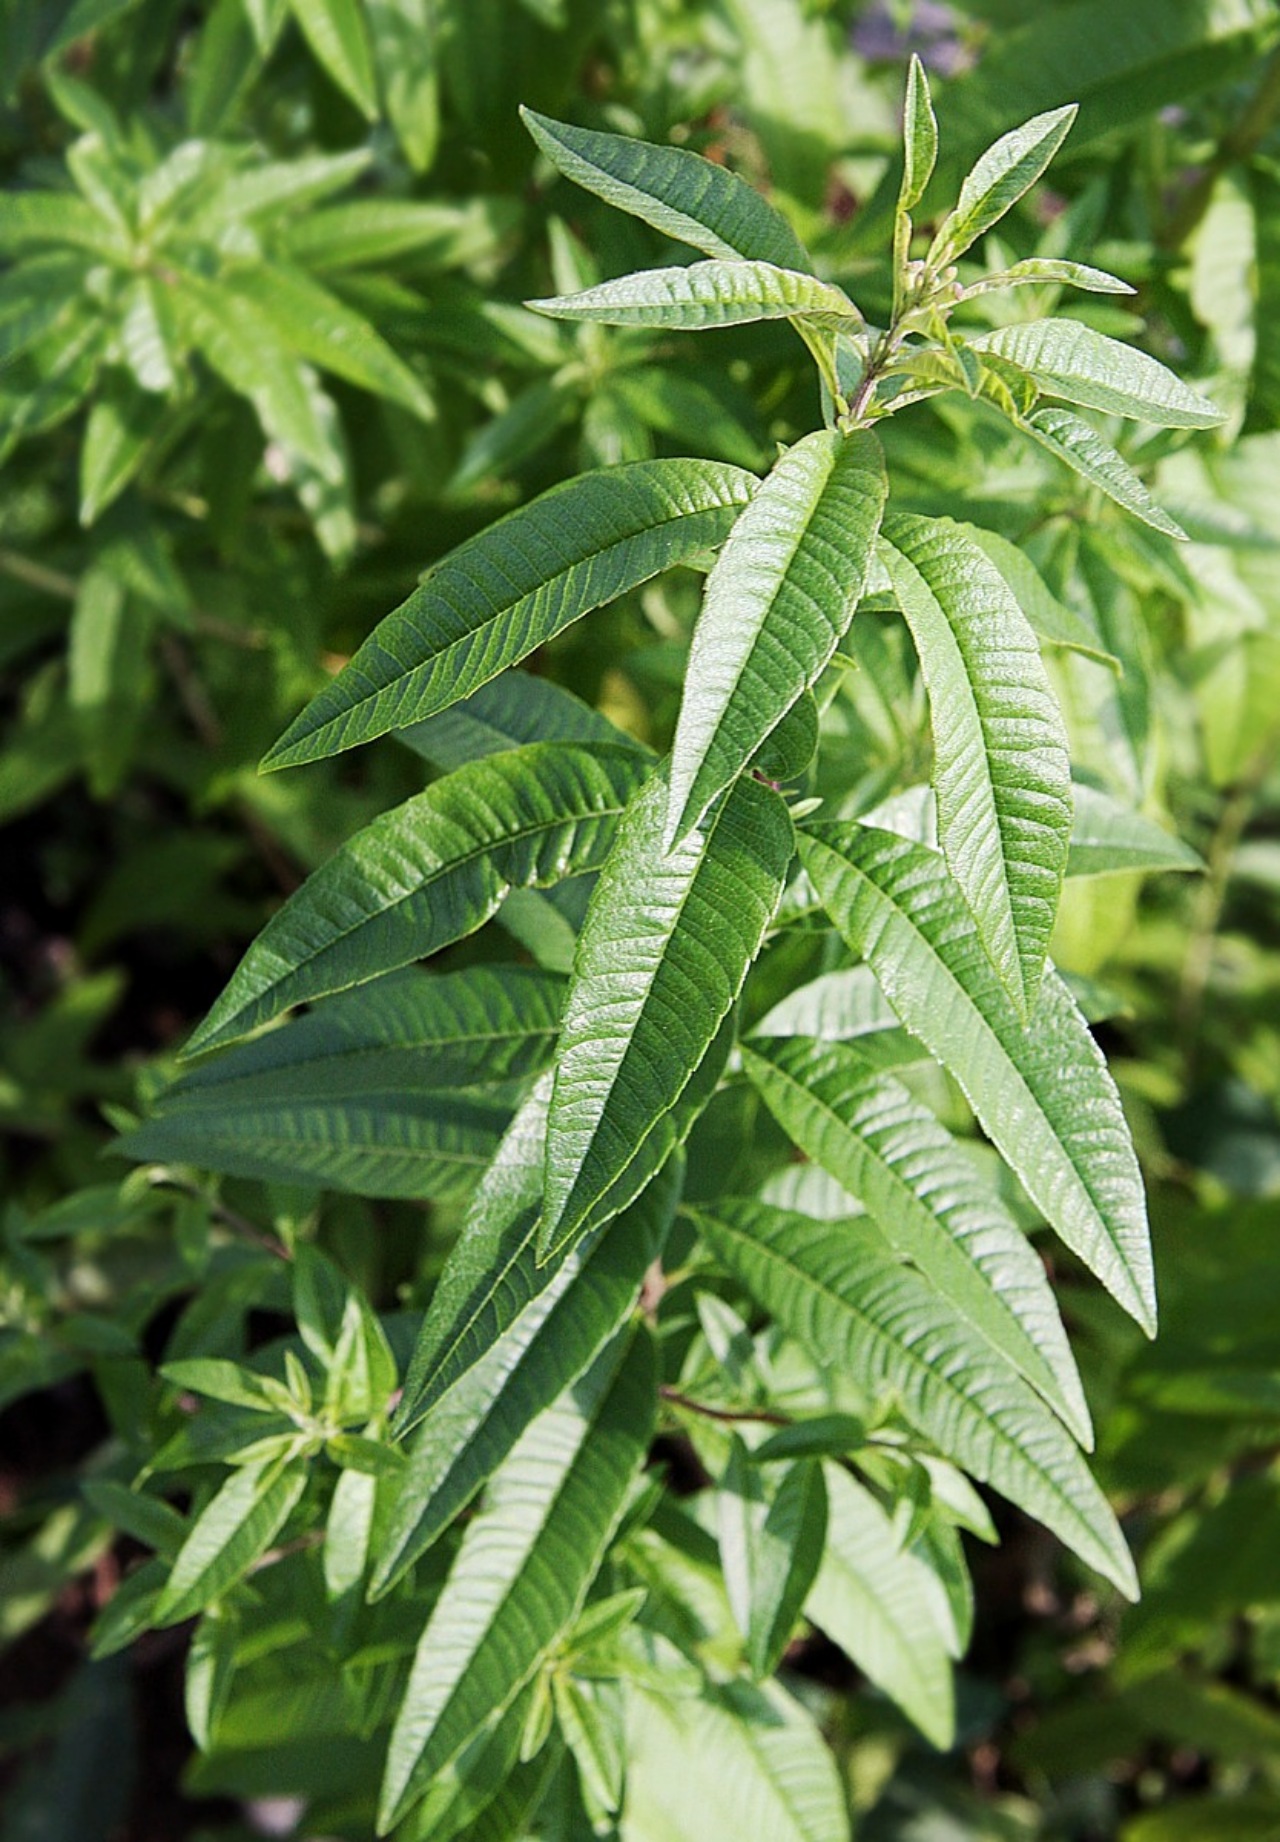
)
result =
(262, 361)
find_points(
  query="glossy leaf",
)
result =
(1001, 769)
(516, 585)
(777, 604)
(663, 953)
(427, 873)
(858, 1312)
(1043, 1094)
(1070, 360)
(1079, 446)
(1008, 168)
(712, 293)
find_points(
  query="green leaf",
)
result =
(1003, 173)
(1070, 360)
(59, 217)
(513, 587)
(663, 953)
(524, 1567)
(335, 31)
(1039, 270)
(116, 438)
(1054, 621)
(777, 604)
(1002, 771)
(509, 711)
(1109, 837)
(712, 293)
(405, 52)
(1078, 446)
(858, 1312)
(920, 137)
(233, 1530)
(889, 1151)
(427, 873)
(875, 1599)
(771, 1541)
(678, 192)
(1042, 1092)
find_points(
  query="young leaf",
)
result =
(777, 603)
(1002, 771)
(1041, 269)
(428, 872)
(859, 1312)
(228, 1536)
(513, 587)
(116, 439)
(1005, 171)
(663, 953)
(890, 1152)
(524, 1567)
(678, 192)
(771, 1541)
(1079, 446)
(1044, 1095)
(919, 136)
(1070, 360)
(712, 293)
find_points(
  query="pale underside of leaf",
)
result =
(1002, 770)
(707, 294)
(777, 603)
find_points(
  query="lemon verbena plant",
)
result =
(744, 1148)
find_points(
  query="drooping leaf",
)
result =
(1002, 771)
(524, 1567)
(1008, 168)
(663, 953)
(832, 1287)
(1079, 446)
(889, 1151)
(711, 293)
(676, 191)
(503, 593)
(1070, 360)
(1043, 1093)
(427, 873)
(777, 604)
(771, 1542)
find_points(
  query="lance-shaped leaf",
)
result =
(1108, 836)
(1070, 360)
(711, 293)
(428, 872)
(1002, 771)
(676, 191)
(508, 712)
(663, 953)
(1079, 446)
(512, 1343)
(1037, 270)
(777, 604)
(875, 1600)
(857, 1311)
(496, 597)
(1054, 621)
(524, 1567)
(1008, 168)
(234, 1528)
(1043, 1092)
(771, 1539)
(887, 1149)
(920, 137)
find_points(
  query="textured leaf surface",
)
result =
(1002, 772)
(889, 1151)
(678, 192)
(1109, 836)
(1053, 620)
(712, 293)
(508, 712)
(1071, 360)
(920, 137)
(1008, 168)
(429, 872)
(524, 1567)
(770, 1547)
(1043, 1093)
(517, 584)
(1037, 270)
(1079, 446)
(663, 953)
(831, 1286)
(234, 1528)
(875, 1601)
(777, 604)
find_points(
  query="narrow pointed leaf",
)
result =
(920, 137)
(427, 873)
(1054, 621)
(1043, 1093)
(1042, 269)
(524, 1567)
(678, 192)
(508, 712)
(508, 590)
(712, 293)
(874, 1599)
(777, 603)
(889, 1151)
(771, 1541)
(1070, 360)
(859, 1312)
(663, 953)
(1109, 836)
(1079, 446)
(1003, 173)
(1002, 772)
(228, 1536)
(335, 31)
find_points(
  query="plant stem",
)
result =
(760, 1415)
